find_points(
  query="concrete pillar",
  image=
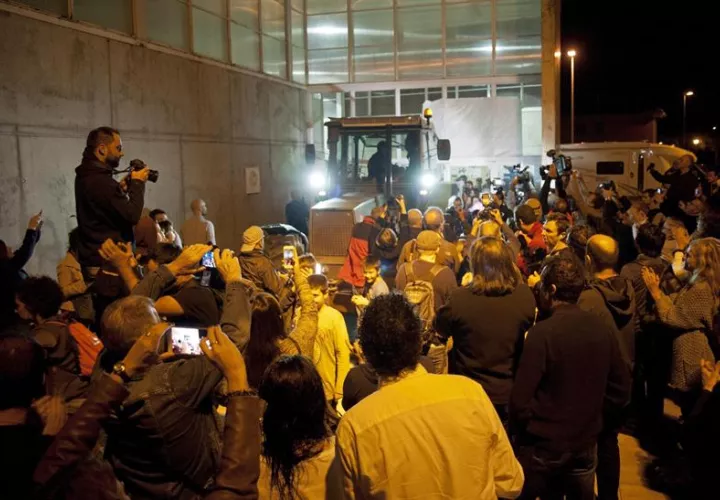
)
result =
(550, 74)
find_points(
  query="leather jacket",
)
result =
(239, 464)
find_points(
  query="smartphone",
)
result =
(318, 268)
(208, 259)
(186, 341)
(289, 253)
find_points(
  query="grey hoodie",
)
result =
(614, 301)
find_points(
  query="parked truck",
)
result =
(623, 162)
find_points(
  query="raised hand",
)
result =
(144, 352)
(36, 221)
(118, 254)
(221, 352)
(228, 265)
(188, 262)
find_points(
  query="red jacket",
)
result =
(352, 269)
(537, 242)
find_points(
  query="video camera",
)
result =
(562, 163)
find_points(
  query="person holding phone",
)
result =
(165, 438)
(11, 269)
(258, 268)
(187, 300)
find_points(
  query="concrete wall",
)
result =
(200, 125)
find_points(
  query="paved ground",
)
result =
(633, 460)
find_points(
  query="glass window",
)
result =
(273, 19)
(419, 60)
(209, 34)
(167, 22)
(421, 24)
(215, 6)
(327, 31)
(323, 6)
(411, 101)
(517, 18)
(471, 21)
(56, 6)
(373, 27)
(469, 58)
(518, 56)
(298, 65)
(362, 103)
(434, 93)
(298, 29)
(472, 91)
(274, 57)
(374, 64)
(382, 102)
(327, 66)
(532, 95)
(298, 5)
(610, 168)
(508, 91)
(405, 3)
(113, 14)
(245, 12)
(452, 92)
(371, 4)
(245, 47)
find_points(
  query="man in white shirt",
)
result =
(197, 229)
(420, 435)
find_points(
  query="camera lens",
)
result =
(153, 175)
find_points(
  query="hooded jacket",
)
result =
(103, 209)
(613, 300)
(358, 249)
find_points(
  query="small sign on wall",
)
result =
(252, 180)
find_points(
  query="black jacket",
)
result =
(571, 373)
(488, 335)
(103, 210)
(613, 300)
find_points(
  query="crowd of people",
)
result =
(499, 348)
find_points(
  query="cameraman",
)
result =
(552, 175)
(682, 182)
(105, 208)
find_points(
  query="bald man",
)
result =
(197, 229)
(611, 297)
(434, 220)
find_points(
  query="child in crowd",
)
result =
(374, 284)
(332, 344)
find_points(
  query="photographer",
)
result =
(551, 175)
(682, 182)
(105, 208)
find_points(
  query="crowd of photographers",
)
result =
(500, 348)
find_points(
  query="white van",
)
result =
(623, 162)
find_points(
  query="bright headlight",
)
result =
(427, 180)
(317, 180)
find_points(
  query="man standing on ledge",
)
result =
(105, 208)
(197, 229)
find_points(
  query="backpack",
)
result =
(88, 346)
(421, 295)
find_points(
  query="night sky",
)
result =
(636, 56)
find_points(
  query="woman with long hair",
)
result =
(689, 316)
(488, 320)
(298, 449)
(268, 338)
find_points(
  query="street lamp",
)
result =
(687, 94)
(571, 54)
